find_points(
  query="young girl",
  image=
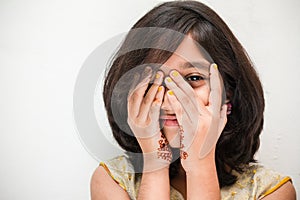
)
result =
(184, 101)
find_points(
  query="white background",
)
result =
(42, 47)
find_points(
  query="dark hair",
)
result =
(240, 138)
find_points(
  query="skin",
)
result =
(196, 106)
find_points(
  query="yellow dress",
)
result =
(255, 183)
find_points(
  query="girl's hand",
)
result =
(143, 119)
(199, 125)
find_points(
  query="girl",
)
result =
(185, 102)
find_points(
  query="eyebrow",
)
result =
(199, 65)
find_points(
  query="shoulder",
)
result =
(258, 182)
(103, 187)
(269, 183)
(106, 183)
(284, 192)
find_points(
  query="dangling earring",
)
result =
(229, 108)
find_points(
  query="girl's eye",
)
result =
(195, 80)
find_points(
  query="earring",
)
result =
(229, 108)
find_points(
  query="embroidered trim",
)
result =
(102, 164)
(283, 181)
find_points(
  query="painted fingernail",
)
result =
(157, 75)
(160, 88)
(170, 92)
(175, 73)
(169, 79)
(215, 66)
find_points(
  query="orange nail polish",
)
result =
(160, 88)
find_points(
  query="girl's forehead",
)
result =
(186, 67)
(191, 51)
(188, 56)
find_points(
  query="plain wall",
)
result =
(43, 45)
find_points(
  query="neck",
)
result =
(179, 181)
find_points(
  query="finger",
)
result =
(186, 135)
(215, 97)
(153, 115)
(177, 108)
(186, 102)
(150, 97)
(187, 89)
(136, 95)
(156, 104)
(182, 84)
(214, 132)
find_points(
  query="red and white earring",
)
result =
(229, 108)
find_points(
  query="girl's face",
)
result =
(191, 64)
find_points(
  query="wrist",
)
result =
(200, 166)
(155, 185)
(153, 163)
(203, 175)
(150, 144)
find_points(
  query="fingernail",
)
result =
(157, 75)
(147, 70)
(215, 66)
(160, 88)
(169, 79)
(170, 92)
(175, 73)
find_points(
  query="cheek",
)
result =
(203, 94)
